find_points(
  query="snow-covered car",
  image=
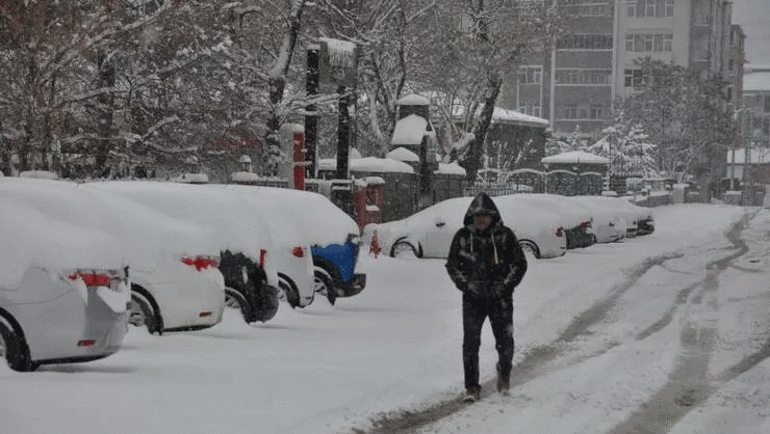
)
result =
(607, 224)
(578, 230)
(293, 258)
(243, 240)
(428, 233)
(175, 284)
(63, 290)
(334, 239)
(646, 220)
(639, 220)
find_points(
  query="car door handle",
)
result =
(440, 224)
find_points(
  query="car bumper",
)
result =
(353, 286)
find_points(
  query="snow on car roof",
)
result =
(235, 225)
(31, 238)
(141, 234)
(321, 221)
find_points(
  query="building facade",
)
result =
(593, 66)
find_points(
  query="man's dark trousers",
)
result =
(500, 313)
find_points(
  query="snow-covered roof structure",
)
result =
(403, 154)
(504, 116)
(244, 177)
(409, 130)
(368, 164)
(575, 157)
(450, 169)
(413, 99)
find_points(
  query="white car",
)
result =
(607, 224)
(630, 213)
(175, 284)
(429, 233)
(334, 239)
(293, 257)
(247, 256)
(579, 227)
(63, 290)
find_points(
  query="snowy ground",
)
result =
(663, 333)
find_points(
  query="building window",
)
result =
(649, 42)
(529, 108)
(583, 76)
(651, 8)
(586, 42)
(729, 94)
(596, 111)
(633, 78)
(767, 104)
(731, 64)
(530, 74)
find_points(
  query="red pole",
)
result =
(299, 159)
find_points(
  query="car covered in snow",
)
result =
(607, 224)
(429, 233)
(292, 251)
(63, 290)
(175, 284)
(579, 227)
(333, 236)
(242, 239)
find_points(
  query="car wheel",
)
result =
(289, 290)
(324, 284)
(14, 350)
(530, 247)
(403, 249)
(235, 300)
(143, 313)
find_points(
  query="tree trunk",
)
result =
(277, 86)
(473, 160)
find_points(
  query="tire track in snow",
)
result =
(531, 367)
(689, 384)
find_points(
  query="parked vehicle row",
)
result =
(546, 225)
(80, 262)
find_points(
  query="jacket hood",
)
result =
(482, 204)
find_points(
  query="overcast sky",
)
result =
(754, 18)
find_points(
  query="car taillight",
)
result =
(585, 224)
(87, 343)
(560, 232)
(200, 262)
(298, 252)
(92, 279)
(262, 255)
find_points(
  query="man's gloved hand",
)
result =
(473, 288)
(500, 289)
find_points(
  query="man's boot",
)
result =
(503, 383)
(472, 394)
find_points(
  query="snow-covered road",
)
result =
(663, 333)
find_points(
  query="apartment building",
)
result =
(576, 85)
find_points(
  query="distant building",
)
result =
(576, 84)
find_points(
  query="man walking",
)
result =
(486, 263)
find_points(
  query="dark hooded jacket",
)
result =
(488, 263)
